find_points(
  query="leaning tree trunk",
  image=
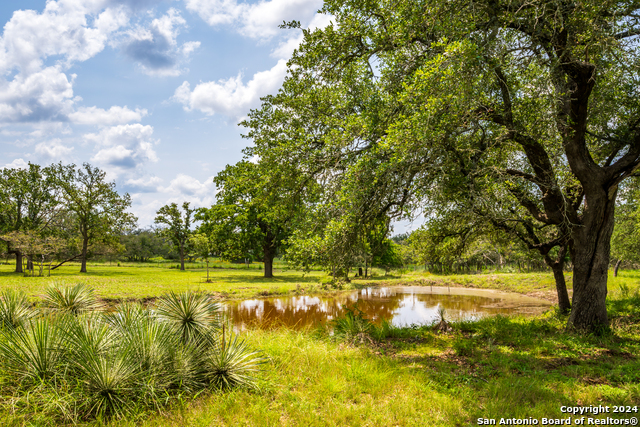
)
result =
(617, 266)
(590, 255)
(557, 266)
(85, 245)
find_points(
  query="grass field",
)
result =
(495, 368)
(233, 281)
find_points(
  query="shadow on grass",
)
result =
(516, 367)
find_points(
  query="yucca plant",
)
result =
(191, 315)
(104, 367)
(442, 325)
(151, 342)
(89, 332)
(187, 366)
(73, 299)
(231, 363)
(14, 309)
(32, 350)
(126, 314)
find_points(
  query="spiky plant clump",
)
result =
(192, 315)
(33, 350)
(353, 326)
(151, 342)
(187, 367)
(105, 369)
(73, 299)
(14, 309)
(115, 363)
(232, 364)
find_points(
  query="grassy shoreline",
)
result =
(228, 282)
(500, 367)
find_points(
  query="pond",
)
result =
(400, 305)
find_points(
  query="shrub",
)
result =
(32, 350)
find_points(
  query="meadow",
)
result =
(501, 367)
(139, 281)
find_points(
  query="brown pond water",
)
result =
(401, 305)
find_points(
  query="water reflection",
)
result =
(401, 305)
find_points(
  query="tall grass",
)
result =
(120, 363)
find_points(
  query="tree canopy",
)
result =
(254, 212)
(524, 113)
(96, 209)
(29, 205)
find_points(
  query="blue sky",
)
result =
(150, 91)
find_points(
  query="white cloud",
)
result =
(40, 96)
(187, 185)
(37, 92)
(53, 150)
(61, 29)
(231, 97)
(145, 184)
(257, 20)
(113, 116)
(263, 18)
(16, 164)
(124, 148)
(155, 48)
(216, 12)
(187, 188)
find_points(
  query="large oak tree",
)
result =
(526, 113)
(254, 213)
(96, 210)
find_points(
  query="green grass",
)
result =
(497, 367)
(233, 281)
(149, 281)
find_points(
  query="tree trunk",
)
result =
(557, 267)
(181, 258)
(268, 263)
(617, 266)
(564, 304)
(590, 255)
(85, 245)
(207, 270)
(18, 262)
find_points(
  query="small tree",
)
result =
(253, 216)
(178, 226)
(36, 247)
(203, 246)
